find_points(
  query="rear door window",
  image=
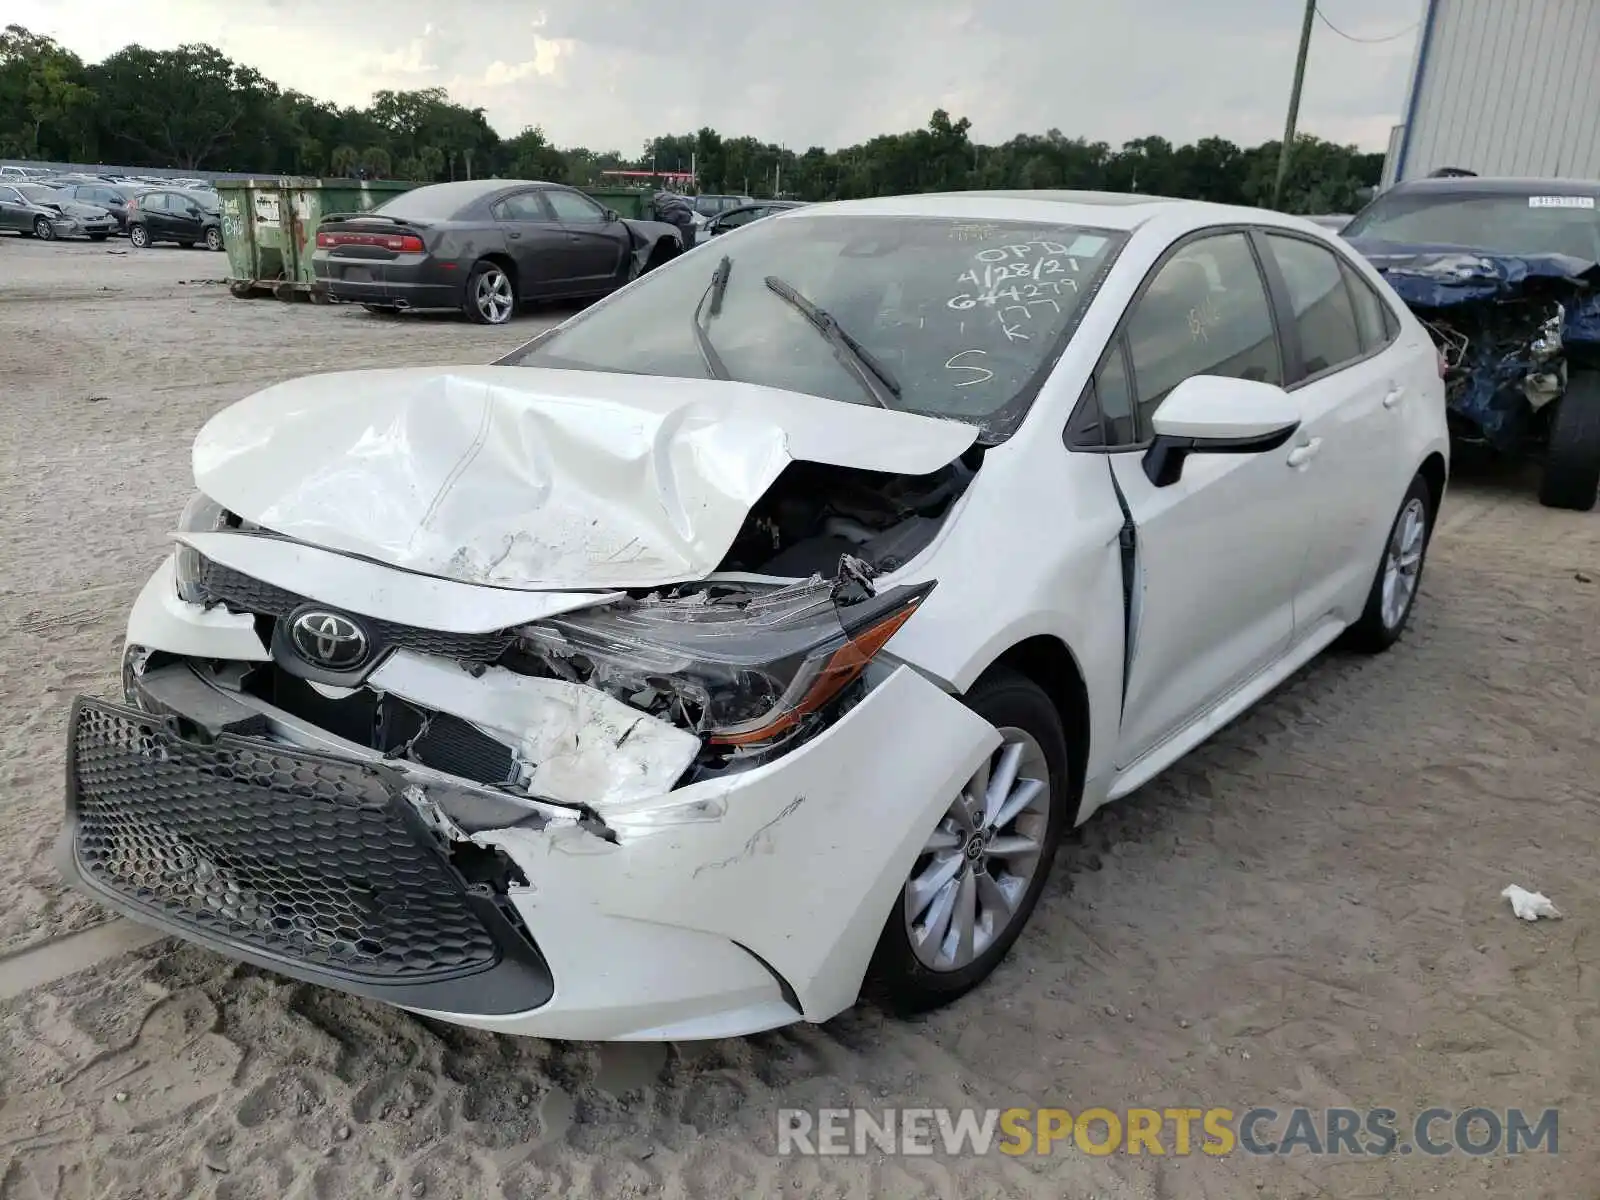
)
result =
(1323, 310)
(1375, 322)
(524, 206)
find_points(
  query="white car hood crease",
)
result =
(531, 478)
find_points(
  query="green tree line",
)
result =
(194, 108)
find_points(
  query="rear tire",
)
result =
(1405, 552)
(902, 977)
(139, 237)
(490, 297)
(1571, 477)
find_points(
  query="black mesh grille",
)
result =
(224, 585)
(291, 854)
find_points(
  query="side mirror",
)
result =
(613, 215)
(1207, 414)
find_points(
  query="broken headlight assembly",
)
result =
(201, 515)
(743, 665)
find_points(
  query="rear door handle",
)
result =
(513, 234)
(1305, 452)
(1396, 394)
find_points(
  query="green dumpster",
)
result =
(269, 227)
(628, 202)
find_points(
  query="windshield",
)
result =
(1503, 224)
(967, 318)
(42, 195)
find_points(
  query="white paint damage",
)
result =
(578, 745)
(529, 478)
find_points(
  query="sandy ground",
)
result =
(1306, 911)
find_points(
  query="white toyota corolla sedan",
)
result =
(748, 643)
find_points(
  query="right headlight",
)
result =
(743, 668)
(201, 515)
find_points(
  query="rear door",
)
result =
(153, 210)
(537, 244)
(187, 217)
(1350, 386)
(596, 245)
(14, 212)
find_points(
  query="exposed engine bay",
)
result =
(1503, 363)
(619, 700)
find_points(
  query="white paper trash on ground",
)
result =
(1530, 906)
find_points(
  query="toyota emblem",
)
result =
(329, 640)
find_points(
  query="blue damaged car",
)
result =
(1505, 275)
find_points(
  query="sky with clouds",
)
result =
(610, 73)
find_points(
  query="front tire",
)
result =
(43, 230)
(1399, 578)
(490, 298)
(983, 867)
(139, 237)
(1571, 476)
(213, 239)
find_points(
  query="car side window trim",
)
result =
(1119, 339)
(1281, 290)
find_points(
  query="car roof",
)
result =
(1122, 211)
(1477, 185)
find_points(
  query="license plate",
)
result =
(358, 274)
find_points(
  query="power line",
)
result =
(1367, 41)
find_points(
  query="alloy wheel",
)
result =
(968, 884)
(1403, 561)
(213, 239)
(43, 230)
(139, 236)
(492, 295)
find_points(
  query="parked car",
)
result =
(46, 213)
(112, 197)
(754, 637)
(174, 215)
(1504, 274)
(484, 246)
(709, 205)
(734, 218)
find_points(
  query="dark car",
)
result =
(1505, 274)
(173, 215)
(46, 213)
(733, 218)
(709, 206)
(483, 246)
(113, 197)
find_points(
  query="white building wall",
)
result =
(1503, 87)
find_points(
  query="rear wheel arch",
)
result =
(1048, 662)
(506, 264)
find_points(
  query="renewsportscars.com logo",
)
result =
(1166, 1131)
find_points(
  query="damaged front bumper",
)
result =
(734, 904)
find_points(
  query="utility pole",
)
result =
(1294, 103)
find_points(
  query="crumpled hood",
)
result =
(1430, 277)
(533, 478)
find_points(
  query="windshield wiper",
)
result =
(714, 292)
(874, 375)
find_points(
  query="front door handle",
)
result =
(513, 233)
(572, 237)
(1396, 394)
(1304, 452)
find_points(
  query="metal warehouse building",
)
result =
(1502, 87)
